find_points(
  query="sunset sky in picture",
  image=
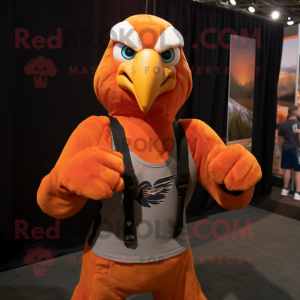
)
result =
(289, 57)
(241, 58)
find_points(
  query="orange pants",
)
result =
(170, 279)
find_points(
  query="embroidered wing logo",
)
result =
(155, 194)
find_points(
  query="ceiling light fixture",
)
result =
(251, 8)
(275, 14)
(290, 20)
(233, 2)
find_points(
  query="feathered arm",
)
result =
(86, 168)
(221, 169)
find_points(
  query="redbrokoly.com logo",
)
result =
(40, 68)
(40, 258)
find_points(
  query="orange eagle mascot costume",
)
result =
(142, 80)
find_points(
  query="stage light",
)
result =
(252, 7)
(290, 20)
(233, 2)
(275, 14)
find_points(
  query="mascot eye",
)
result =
(171, 56)
(128, 53)
(168, 55)
(123, 53)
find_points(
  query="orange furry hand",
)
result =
(93, 173)
(235, 166)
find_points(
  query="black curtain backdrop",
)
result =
(37, 121)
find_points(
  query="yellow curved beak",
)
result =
(146, 77)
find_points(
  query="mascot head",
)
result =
(143, 70)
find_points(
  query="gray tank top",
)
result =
(154, 214)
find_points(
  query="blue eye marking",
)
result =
(168, 55)
(128, 53)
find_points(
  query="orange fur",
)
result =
(147, 25)
(217, 164)
(75, 178)
(119, 102)
(89, 168)
(171, 279)
(64, 191)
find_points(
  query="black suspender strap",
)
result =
(183, 174)
(96, 225)
(130, 180)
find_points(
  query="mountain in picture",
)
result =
(286, 88)
(239, 121)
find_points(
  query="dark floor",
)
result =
(268, 268)
(282, 205)
(276, 195)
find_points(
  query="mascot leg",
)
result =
(93, 283)
(180, 281)
(173, 278)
